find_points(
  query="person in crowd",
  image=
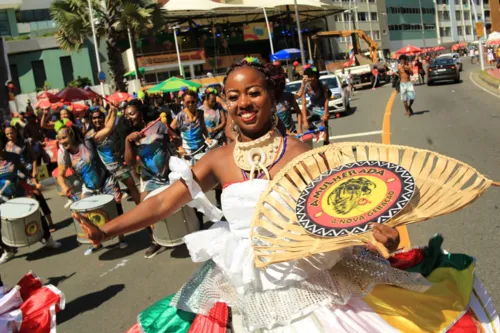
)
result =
(374, 77)
(407, 89)
(319, 95)
(149, 144)
(214, 115)
(101, 131)
(421, 70)
(191, 125)
(79, 154)
(286, 103)
(10, 166)
(28, 159)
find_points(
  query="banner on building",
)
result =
(479, 29)
(256, 31)
(225, 61)
(170, 58)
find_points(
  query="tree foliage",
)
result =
(111, 19)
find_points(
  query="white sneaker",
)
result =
(123, 245)
(6, 256)
(52, 244)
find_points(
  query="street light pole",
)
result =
(268, 30)
(181, 69)
(422, 22)
(302, 54)
(96, 46)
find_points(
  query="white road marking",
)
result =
(486, 90)
(353, 135)
(121, 264)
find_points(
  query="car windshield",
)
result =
(293, 87)
(443, 61)
(330, 82)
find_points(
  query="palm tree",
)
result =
(112, 18)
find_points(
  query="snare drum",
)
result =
(170, 232)
(21, 222)
(99, 209)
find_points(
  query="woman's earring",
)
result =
(236, 128)
(274, 117)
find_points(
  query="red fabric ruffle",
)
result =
(134, 329)
(466, 324)
(215, 322)
(405, 260)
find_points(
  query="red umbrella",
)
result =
(439, 48)
(75, 94)
(47, 95)
(43, 104)
(118, 97)
(410, 49)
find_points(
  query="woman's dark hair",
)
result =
(312, 72)
(255, 64)
(91, 112)
(190, 93)
(278, 76)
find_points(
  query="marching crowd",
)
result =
(114, 143)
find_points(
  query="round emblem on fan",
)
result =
(346, 199)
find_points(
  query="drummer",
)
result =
(29, 161)
(191, 124)
(153, 149)
(214, 115)
(10, 165)
(80, 155)
(101, 129)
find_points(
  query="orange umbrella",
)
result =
(118, 97)
(410, 49)
(47, 95)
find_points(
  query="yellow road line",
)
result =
(386, 125)
(386, 139)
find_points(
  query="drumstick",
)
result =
(7, 183)
(141, 133)
(87, 88)
(320, 129)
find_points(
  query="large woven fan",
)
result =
(430, 185)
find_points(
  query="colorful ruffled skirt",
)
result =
(455, 301)
(30, 307)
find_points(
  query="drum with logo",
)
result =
(99, 209)
(21, 222)
(170, 232)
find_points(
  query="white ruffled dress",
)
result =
(318, 294)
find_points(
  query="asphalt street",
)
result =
(105, 291)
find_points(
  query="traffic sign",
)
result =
(102, 76)
(479, 29)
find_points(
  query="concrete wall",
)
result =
(81, 67)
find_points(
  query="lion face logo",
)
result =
(348, 195)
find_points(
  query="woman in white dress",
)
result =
(322, 293)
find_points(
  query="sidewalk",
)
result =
(490, 78)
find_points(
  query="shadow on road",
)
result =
(420, 112)
(137, 241)
(67, 244)
(180, 252)
(64, 223)
(88, 302)
(56, 280)
(350, 112)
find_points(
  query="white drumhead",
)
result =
(18, 208)
(92, 202)
(157, 191)
(199, 156)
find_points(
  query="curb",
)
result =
(486, 81)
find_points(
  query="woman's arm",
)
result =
(156, 208)
(61, 179)
(301, 115)
(326, 92)
(108, 126)
(44, 123)
(130, 155)
(222, 123)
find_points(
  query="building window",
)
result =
(39, 73)
(468, 30)
(338, 18)
(373, 16)
(362, 16)
(429, 26)
(460, 31)
(67, 69)
(347, 17)
(376, 35)
(27, 16)
(4, 23)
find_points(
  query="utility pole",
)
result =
(422, 22)
(299, 32)
(96, 46)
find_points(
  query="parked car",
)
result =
(443, 69)
(338, 102)
(456, 59)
